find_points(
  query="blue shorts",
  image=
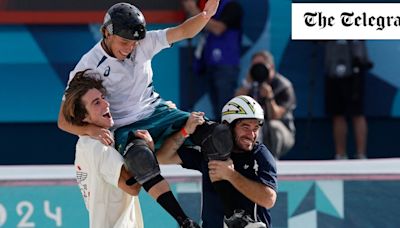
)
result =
(163, 122)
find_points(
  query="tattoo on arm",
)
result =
(178, 141)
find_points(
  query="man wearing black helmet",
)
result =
(123, 59)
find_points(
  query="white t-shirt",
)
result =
(98, 169)
(129, 83)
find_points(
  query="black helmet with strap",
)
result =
(125, 20)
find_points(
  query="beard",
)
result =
(242, 144)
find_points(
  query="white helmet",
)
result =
(242, 107)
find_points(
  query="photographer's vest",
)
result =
(223, 49)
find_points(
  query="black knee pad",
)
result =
(153, 181)
(215, 140)
(140, 161)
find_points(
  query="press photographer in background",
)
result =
(276, 95)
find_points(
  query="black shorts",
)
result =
(344, 96)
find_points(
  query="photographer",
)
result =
(276, 95)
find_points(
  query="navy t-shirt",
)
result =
(258, 165)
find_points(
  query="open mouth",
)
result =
(247, 141)
(107, 115)
(125, 54)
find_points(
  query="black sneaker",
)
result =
(240, 220)
(188, 223)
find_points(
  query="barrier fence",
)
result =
(352, 193)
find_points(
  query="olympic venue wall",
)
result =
(312, 203)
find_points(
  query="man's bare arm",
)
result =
(168, 153)
(193, 25)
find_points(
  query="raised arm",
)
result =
(193, 25)
(214, 26)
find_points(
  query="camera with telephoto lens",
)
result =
(259, 73)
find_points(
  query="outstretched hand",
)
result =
(210, 8)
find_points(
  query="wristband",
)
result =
(184, 133)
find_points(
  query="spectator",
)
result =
(217, 55)
(250, 171)
(346, 63)
(276, 95)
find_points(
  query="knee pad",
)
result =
(140, 161)
(215, 140)
(153, 181)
